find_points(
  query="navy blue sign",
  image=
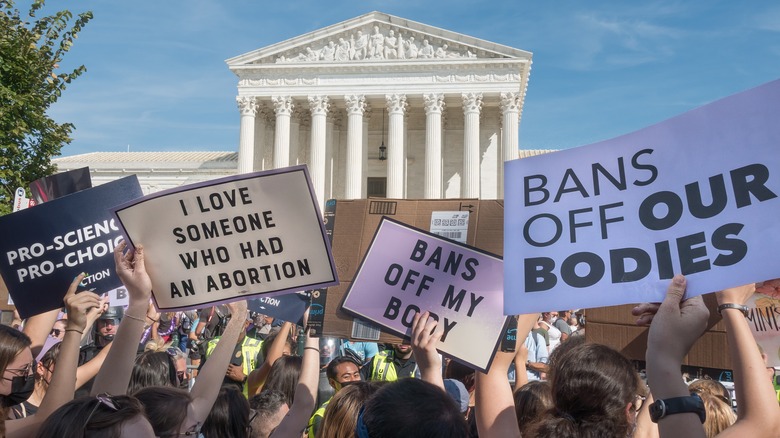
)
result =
(43, 248)
(288, 307)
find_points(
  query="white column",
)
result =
(510, 121)
(434, 104)
(364, 183)
(396, 105)
(319, 106)
(295, 133)
(283, 106)
(330, 129)
(246, 138)
(472, 103)
(356, 105)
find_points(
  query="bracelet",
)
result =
(135, 318)
(74, 330)
(152, 319)
(741, 308)
(312, 348)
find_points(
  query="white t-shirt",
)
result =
(553, 334)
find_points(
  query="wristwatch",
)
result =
(678, 405)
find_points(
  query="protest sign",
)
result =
(407, 270)
(60, 184)
(45, 247)
(21, 201)
(764, 320)
(118, 297)
(231, 238)
(290, 307)
(611, 223)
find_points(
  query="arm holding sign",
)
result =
(759, 413)
(63, 381)
(114, 376)
(496, 413)
(257, 377)
(38, 327)
(426, 333)
(297, 418)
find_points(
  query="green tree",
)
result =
(31, 49)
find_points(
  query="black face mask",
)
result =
(21, 389)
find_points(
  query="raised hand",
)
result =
(79, 304)
(132, 271)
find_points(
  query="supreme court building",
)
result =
(383, 106)
(375, 106)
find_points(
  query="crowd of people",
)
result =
(101, 371)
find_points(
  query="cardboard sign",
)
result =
(407, 270)
(231, 238)
(290, 307)
(764, 320)
(45, 247)
(60, 184)
(611, 223)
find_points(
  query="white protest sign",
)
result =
(407, 270)
(231, 238)
(611, 223)
(118, 297)
(764, 320)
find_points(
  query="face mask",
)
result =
(21, 389)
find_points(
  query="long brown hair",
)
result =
(12, 342)
(341, 414)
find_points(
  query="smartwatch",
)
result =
(678, 405)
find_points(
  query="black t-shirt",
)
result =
(215, 320)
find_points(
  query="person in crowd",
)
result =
(284, 377)
(229, 417)
(391, 364)
(211, 323)
(411, 408)
(712, 387)
(153, 369)
(531, 401)
(364, 350)
(341, 414)
(277, 344)
(340, 371)
(530, 361)
(719, 415)
(553, 333)
(674, 327)
(269, 408)
(243, 359)
(58, 330)
(102, 416)
(562, 324)
(18, 368)
(43, 374)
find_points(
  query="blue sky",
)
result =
(156, 78)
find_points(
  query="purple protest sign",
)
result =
(407, 270)
(612, 222)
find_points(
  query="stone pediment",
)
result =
(377, 37)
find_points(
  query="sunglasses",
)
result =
(56, 332)
(102, 400)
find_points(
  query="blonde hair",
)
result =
(719, 414)
(341, 414)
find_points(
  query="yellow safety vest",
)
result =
(249, 349)
(318, 413)
(383, 368)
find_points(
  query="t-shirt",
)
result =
(561, 325)
(215, 322)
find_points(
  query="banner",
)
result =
(231, 238)
(290, 307)
(613, 222)
(60, 184)
(407, 270)
(45, 247)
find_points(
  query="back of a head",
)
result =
(413, 408)
(284, 376)
(719, 414)
(712, 387)
(592, 385)
(341, 414)
(229, 417)
(165, 406)
(532, 400)
(269, 408)
(152, 369)
(88, 416)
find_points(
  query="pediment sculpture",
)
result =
(378, 44)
